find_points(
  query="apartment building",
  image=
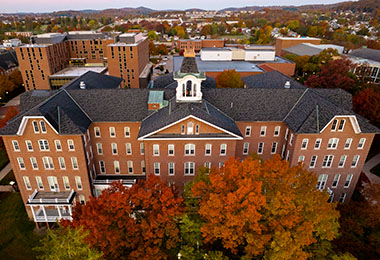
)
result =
(71, 144)
(50, 53)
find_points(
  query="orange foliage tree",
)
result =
(265, 209)
(135, 223)
(229, 79)
(11, 112)
(367, 104)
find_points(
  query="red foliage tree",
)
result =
(11, 112)
(335, 74)
(135, 223)
(367, 103)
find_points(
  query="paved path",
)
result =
(369, 165)
(5, 171)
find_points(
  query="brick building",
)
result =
(70, 144)
(197, 45)
(286, 42)
(52, 52)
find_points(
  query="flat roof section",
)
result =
(73, 72)
(205, 66)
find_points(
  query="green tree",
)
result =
(229, 79)
(66, 243)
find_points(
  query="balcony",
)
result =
(51, 198)
(52, 215)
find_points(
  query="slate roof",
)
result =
(71, 111)
(273, 79)
(366, 53)
(167, 82)
(176, 111)
(8, 60)
(189, 65)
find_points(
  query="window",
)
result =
(207, 165)
(97, 131)
(127, 132)
(156, 167)
(361, 143)
(48, 163)
(171, 149)
(317, 144)
(245, 148)
(62, 164)
(156, 150)
(348, 180)
(58, 145)
(190, 128)
(208, 149)
(39, 182)
(116, 166)
(322, 179)
(221, 164)
(182, 129)
(263, 130)
(196, 129)
(274, 148)
(74, 163)
(21, 163)
(112, 132)
(327, 161)
(347, 145)
(277, 131)
(341, 125)
(142, 150)
(29, 145)
(53, 183)
(333, 143)
(333, 126)
(342, 161)
(342, 197)
(27, 183)
(99, 148)
(114, 148)
(143, 167)
(35, 127)
(190, 149)
(223, 149)
(355, 161)
(102, 167)
(313, 161)
(16, 147)
(336, 181)
(128, 148)
(305, 141)
(189, 168)
(291, 139)
(44, 145)
(78, 182)
(248, 131)
(331, 197)
(171, 168)
(260, 148)
(66, 182)
(287, 155)
(70, 144)
(33, 161)
(286, 133)
(130, 167)
(82, 200)
(301, 158)
(43, 127)
(283, 151)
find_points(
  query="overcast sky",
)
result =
(12, 6)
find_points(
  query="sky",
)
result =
(13, 6)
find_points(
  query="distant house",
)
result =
(8, 62)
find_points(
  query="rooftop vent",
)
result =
(287, 84)
(82, 85)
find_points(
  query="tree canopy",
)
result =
(229, 79)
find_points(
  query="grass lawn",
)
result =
(16, 230)
(3, 158)
(8, 178)
(376, 170)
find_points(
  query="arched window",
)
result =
(188, 89)
(190, 128)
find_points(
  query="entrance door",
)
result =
(53, 183)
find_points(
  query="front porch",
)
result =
(51, 206)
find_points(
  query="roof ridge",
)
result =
(76, 103)
(218, 110)
(295, 104)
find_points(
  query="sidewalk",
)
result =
(369, 165)
(5, 171)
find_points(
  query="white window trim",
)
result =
(279, 130)
(27, 147)
(225, 150)
(18, 145)
(158, 150)
(337, 182)
(361, 148)
(263, 129)
(249, 129)
(171, 145)
(68, 145)
(112, 130)
(97, 128)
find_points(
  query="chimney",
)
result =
(287, 84)
(82, 85)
